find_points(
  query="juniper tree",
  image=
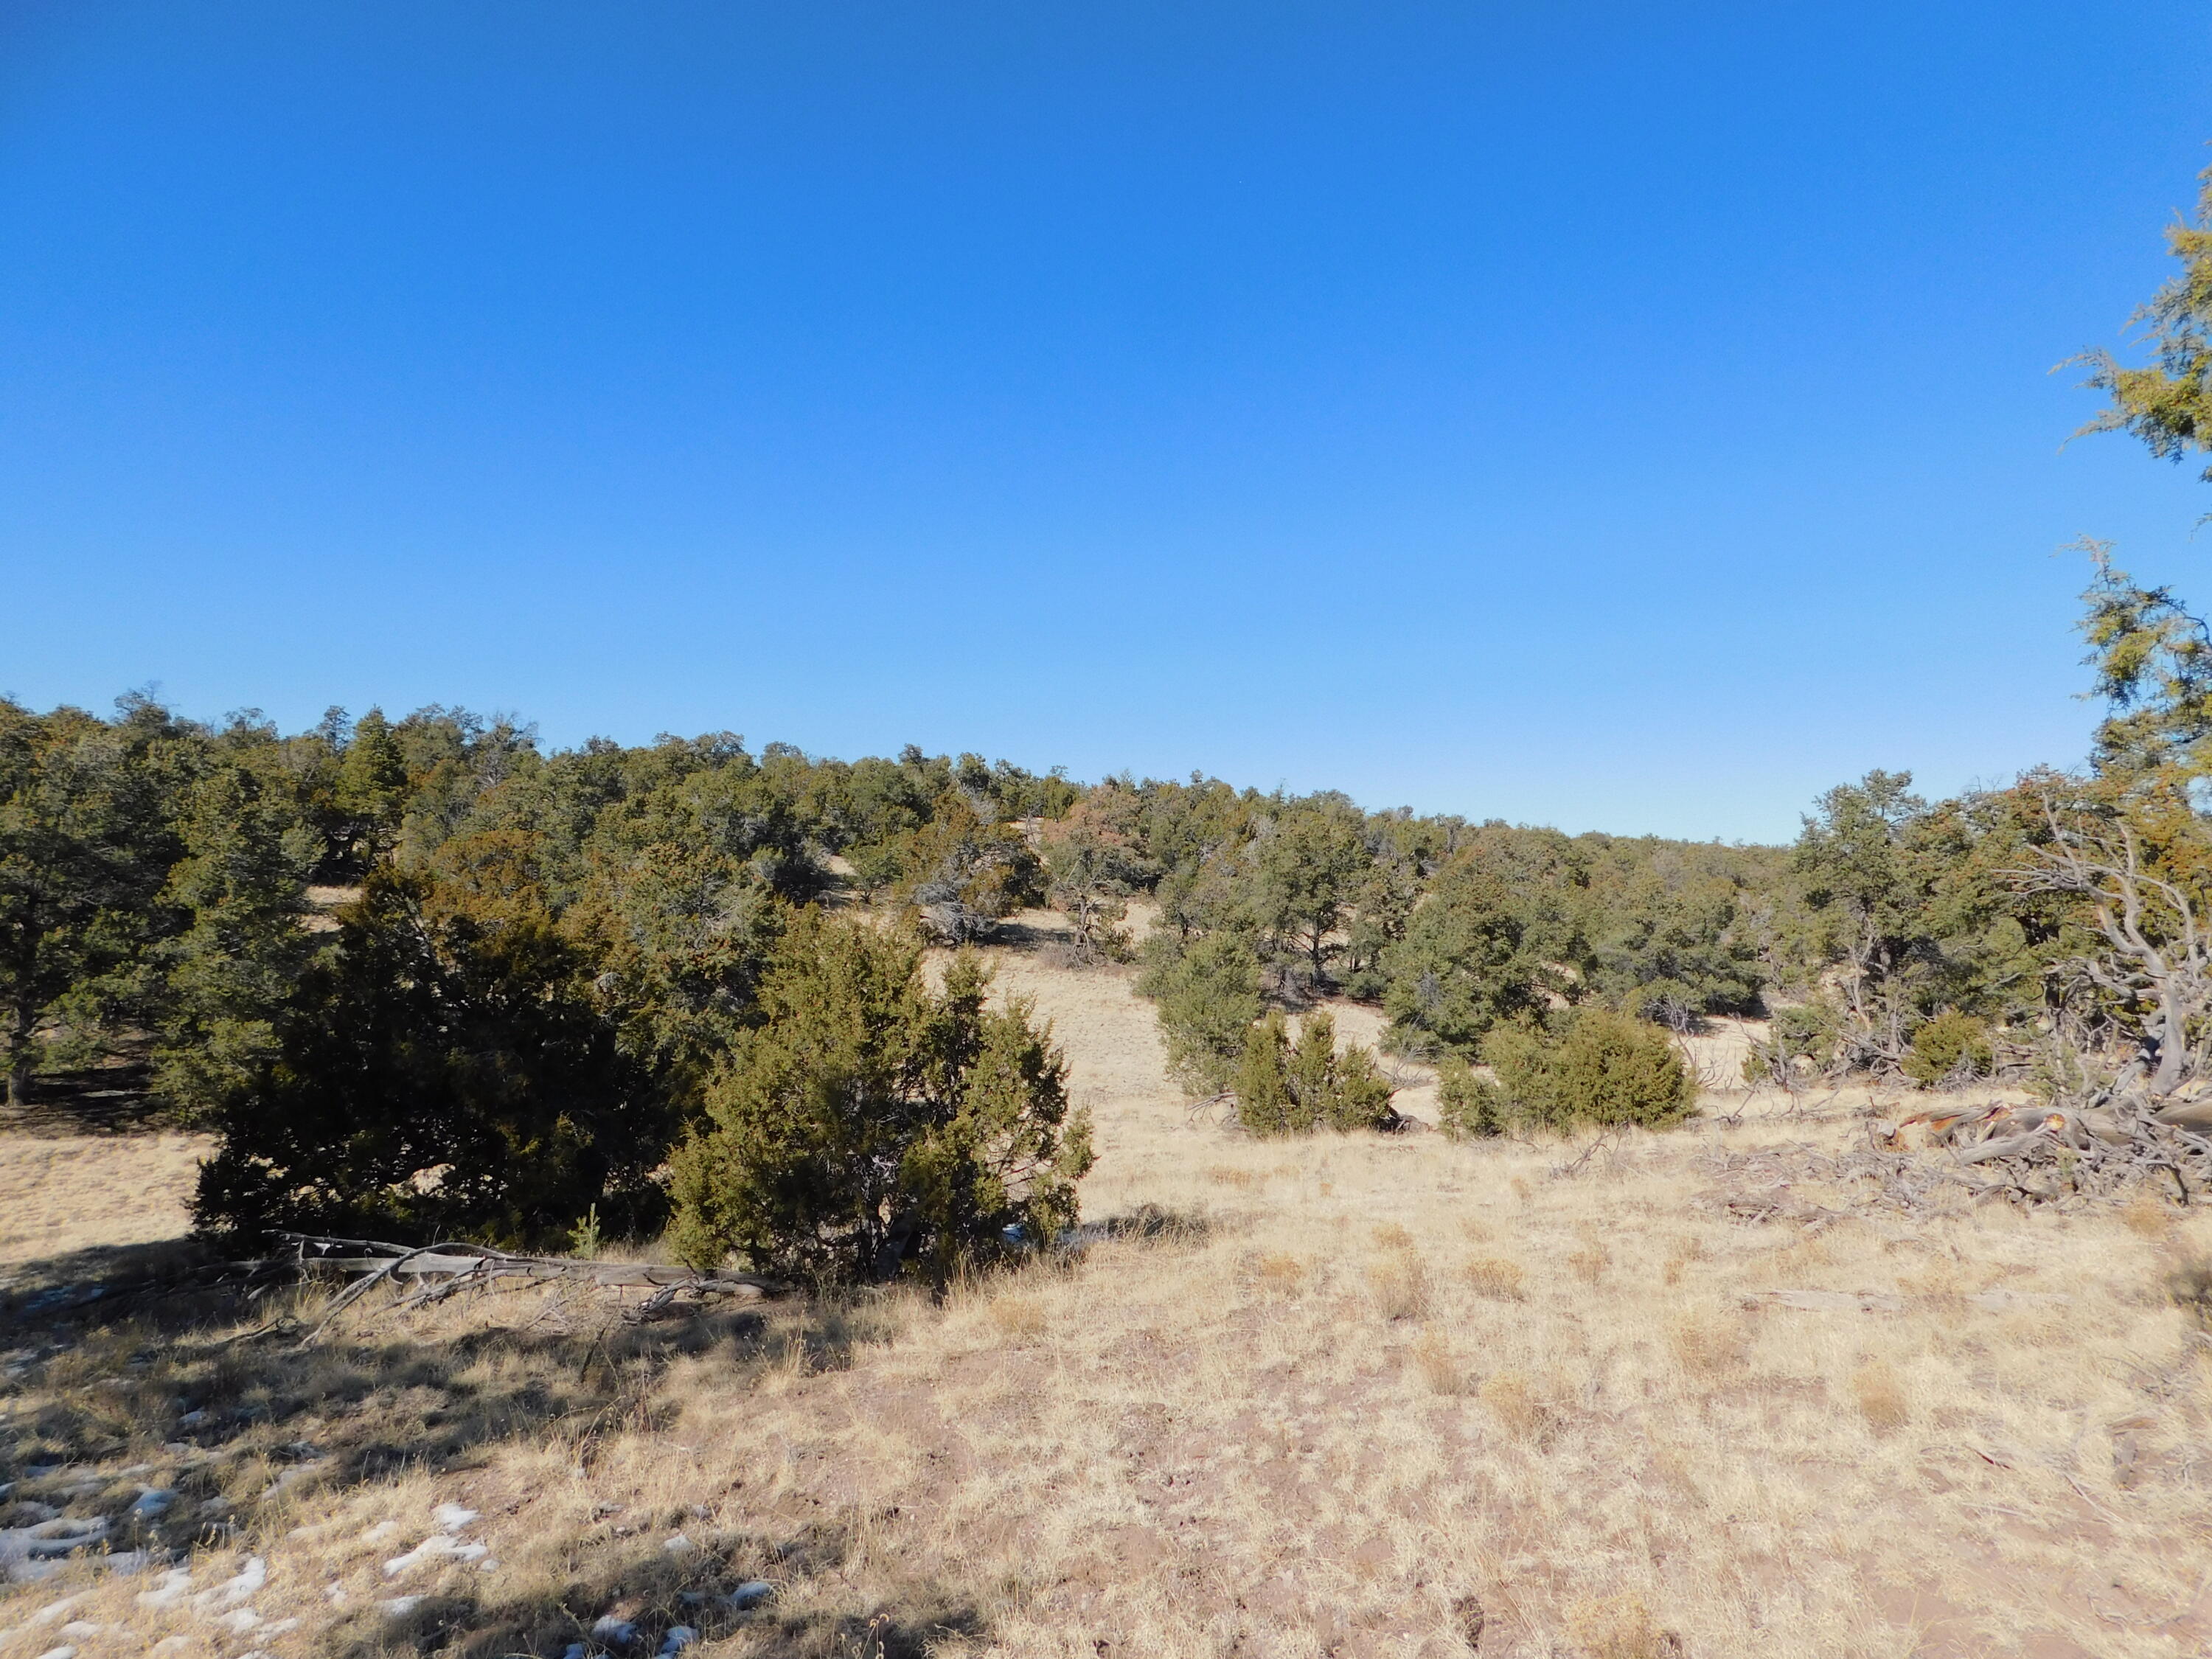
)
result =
(867, 1125)
(87, 840)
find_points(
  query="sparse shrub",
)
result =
(2147, 1213)
(1469, 1106)
(962, 873)
(1881, 1395)
(1512, 1399)
(1602, 1067)
(1439, 1366)
(1499, 1280)
(1279, 1274)
(1589, 1262)
(1951, 1045)
(875, 865)
(1287, 1089)
(2189, 1284)
(1620, 1627)
(1093, 863)
(1400, 1285)
(868, 1125)
(1706, 1342)
(1208, 995)
(1022, 1318)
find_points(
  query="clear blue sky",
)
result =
(1625, 416)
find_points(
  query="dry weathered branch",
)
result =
(464, 1267)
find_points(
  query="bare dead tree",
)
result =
(2152, 971)
(2157, 952)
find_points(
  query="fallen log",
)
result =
(462, 1266)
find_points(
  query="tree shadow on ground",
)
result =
(110, 1099)
(652, 1594)
(219, 1401)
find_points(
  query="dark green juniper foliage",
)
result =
(443, 1071)
(1597, 1067)
(1286, 1088)
(1208, 995)
(88, 836)
(1469, 1106)
(1951, 1046)
(867, 1125)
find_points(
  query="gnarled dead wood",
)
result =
(462, 1266)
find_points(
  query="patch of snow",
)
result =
(750, 1594)
(243, 1588)
(170, 1591)
(398, 1607)
(679, 1637)
(437, 1545)
(452, 1517)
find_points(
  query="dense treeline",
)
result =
(422, 975)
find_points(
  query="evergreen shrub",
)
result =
(1286, 1088)
(1951, 1044)
(1599, 1067)
(867, 1125)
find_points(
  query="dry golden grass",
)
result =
(62, 1193)
(1494, 1277)
(1289, 1427)
(1882, 1397)
(1440, 1366)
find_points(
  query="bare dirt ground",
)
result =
(1338, 1395)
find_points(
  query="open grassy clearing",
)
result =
(1351, 1396)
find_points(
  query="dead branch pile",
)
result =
(2115, 1137)
(2153, 966)
(442, 1270)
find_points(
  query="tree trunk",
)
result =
(2172, 1045)
(19, 1068)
